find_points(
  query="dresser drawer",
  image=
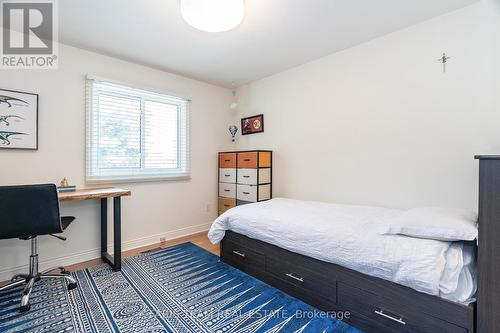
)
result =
(227, 190)
(227, 160)
(247, 160)
(303, 278)
(225, 204)
(246, 193)
(247, 176)
(242, 257)
(254, 176)
(227, 175)
(393, 315)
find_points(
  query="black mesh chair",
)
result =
(26, 212)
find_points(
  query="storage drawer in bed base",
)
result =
(369, 303)
(391, 314)
(304, 281)
(243, 258)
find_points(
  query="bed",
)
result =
(352, 237)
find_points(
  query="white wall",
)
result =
(380, 123)
(375, 124)
(155, 209)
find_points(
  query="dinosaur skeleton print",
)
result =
(18, 120)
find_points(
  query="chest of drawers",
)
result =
(244, 177)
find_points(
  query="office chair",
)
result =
(28, 211)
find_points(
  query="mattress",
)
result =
(351, 236)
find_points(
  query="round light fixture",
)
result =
(213, 15)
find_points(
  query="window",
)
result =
(134, 134)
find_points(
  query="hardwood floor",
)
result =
(199, 239)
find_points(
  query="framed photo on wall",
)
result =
(18, 120)
(252, 125)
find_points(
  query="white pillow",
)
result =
(443, 224)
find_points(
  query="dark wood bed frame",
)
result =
(376, 305)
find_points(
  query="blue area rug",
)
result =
(180, 289)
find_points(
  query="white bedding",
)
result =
(351, 236)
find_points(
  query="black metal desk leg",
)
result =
(117, 233)
(104, 226)
(116, 260)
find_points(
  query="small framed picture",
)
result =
(252, 125)
(18, 120)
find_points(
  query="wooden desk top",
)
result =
(93, 193)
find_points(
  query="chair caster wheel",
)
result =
(24, 308)
(71, 286)
(17, 277)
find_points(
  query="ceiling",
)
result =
(274, 36)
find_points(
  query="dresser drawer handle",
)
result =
(246, 176)
(290, 275)
(227, 175)
(397, 320)
(239, 254)
(227, 160)
(226, 190)
(246, 160)
(246, 193)
(226, 205)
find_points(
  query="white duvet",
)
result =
(350, 236)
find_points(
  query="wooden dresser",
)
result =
(244, 177)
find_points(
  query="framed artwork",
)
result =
(18, 120)
(252, 125)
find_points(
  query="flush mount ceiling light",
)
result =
(213, 15)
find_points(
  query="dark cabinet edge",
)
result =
(245, 151)
(487, 157)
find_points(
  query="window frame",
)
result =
(96, 175)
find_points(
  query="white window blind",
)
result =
(134, 134)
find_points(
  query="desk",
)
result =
(104, 194)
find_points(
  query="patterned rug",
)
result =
(180, 289)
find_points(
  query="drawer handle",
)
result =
(227, 175)
(246, 193)
(239, 254)
(246, 176)
(290, 275)
(226, 190)
(227, 160)
(397, 320)
(246, 160)
(226, 205)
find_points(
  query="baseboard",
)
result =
(75, 258)
(169, 235)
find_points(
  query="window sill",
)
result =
(140, 179)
